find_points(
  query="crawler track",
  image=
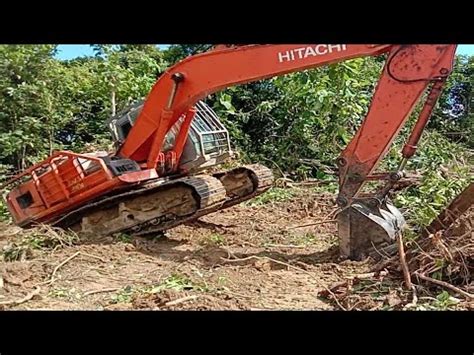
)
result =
(164, 204)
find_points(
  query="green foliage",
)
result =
(41, 238)
(444, 301)
(275, 194)
(445, 173)
(64, 293)
(124, 238)
(176, 282)
(4, 214)
(47, 104)
(308, 117)
(214, 239)
(178, 52)
(124, 295)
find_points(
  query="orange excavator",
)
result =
(156, 180)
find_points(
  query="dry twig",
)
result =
(28, 297)
(92, 292)
(406, 271)
(53, 274)
(314, 224)
(93, 256)
(335, 298)
(285, 246)
(333, 288)
(181, 300)
(270, 259)
(445, 285)
(52, 279)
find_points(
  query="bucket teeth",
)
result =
(368, 223)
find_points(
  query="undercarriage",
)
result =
(167, 203)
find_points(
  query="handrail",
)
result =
(47, 163)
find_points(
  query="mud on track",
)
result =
(250, 256)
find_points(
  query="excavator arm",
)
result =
(407, 74)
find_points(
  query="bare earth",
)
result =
(247, 257)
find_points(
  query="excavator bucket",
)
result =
(368, 223)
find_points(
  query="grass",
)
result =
(40, 238)
(330, 187)
(4, 213)
(214, 239)
(443, 302)
(64, 293)
(275, 194)
(124, 295)
(176, 282)
(123, 238)
(305, 239)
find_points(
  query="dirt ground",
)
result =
(250, 257)
(247, 257)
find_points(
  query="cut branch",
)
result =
(406, 271)
(314, 224)
(445, 285)
(28, 297)
(181, 300)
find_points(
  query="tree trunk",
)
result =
(112, 97)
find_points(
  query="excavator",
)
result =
(155, 179)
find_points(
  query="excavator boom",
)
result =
(142, 163)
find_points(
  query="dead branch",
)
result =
(270, 259)
(181, 300)
(369, 275)
(383, 264)
(333, 288)
(62, 264)
(314, 224)
(285, 246)
(92, 292)
(226, 290)
(93, 256)
(445, 285)
(53, 274)
(277, 166)
(335, 298)
(28, 297)
(406, 271)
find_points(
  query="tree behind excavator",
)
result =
(145, 186)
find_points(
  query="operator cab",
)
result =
(208, 142)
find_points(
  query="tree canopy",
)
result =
(308, 117)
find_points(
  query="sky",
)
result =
(71, 51)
